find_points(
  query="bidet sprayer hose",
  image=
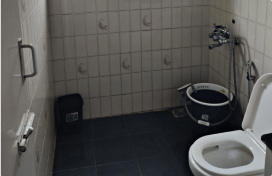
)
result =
(232, 53)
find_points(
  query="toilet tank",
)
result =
(258, 116)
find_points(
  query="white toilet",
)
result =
(238, 153)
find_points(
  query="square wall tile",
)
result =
(260, 38)
(86, 109)
(137, 102)
(167, 98)
(59, 70)
(268, 42)
(125, 42)
(125, 63)
(157, 99)
(106, 106)
(136, 82)
(156, 39)
(83, 87)
(114, 43)
(105, 86)
(78, 6)
(79, 24)
(146, 22)
(116, 105)
(103, 43)
(176, 58)
(166, 59)
(123, 5)
(101, 5)
(166, 39)
(60, 89)
(67, 25)
(94, 87)
(176, 38)
(156, 4)
(135, 4)
(135, 41)
(91, 27)
(145, 4)
(82, 68)
(69, 47)
(113, 21)
(146, 81)
(147, 101)
(156, 19)
(124, 21)
(92, 45)
(186, 16)
(166, 18)
(71, 87)
(115, 64)
(93, 68)
(90, 5)
(167, 79)
(156, 60)
(146, 40)
(104, 65)
(146, 61)
(136, 59)
(57, 48)
(116, 85)
(102, 19)
(157, 80)
(95, 107)
(113, 5)
(80, 46)
(127, 103)
(126, 83)
(135, 18)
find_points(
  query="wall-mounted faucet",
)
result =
(221, 34)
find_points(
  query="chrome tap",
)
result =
(220, 34)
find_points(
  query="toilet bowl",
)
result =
(237, 153)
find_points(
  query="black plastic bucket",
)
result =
(210, 102)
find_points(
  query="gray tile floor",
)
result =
(149, 144)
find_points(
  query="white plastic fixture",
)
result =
(209, 86)
(238, 152)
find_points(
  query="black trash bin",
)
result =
(68, 114)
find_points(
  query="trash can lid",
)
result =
(70, 101)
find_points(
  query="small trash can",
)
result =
(68, 114)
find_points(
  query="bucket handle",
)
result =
(201, 121)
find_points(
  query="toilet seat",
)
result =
(241, 137)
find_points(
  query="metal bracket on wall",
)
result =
(20, 47)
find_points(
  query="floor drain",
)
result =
(178, 113)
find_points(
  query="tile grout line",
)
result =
(132, 147)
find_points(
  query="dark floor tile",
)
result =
(128, 168)
(160, 166)
(150, 145)
(142, 123)
(184, 163)
(85, 134)
(109, 127)
(87, 171)
(74, 155)
(110, 150)
(87, 123)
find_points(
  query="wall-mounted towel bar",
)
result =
(21, 46)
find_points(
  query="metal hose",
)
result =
(232, 53)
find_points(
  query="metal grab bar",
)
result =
(33, 59)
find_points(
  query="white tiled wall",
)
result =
(35, 31)
(128, 56)
(253, 27)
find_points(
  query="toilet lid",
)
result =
(258, 116)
